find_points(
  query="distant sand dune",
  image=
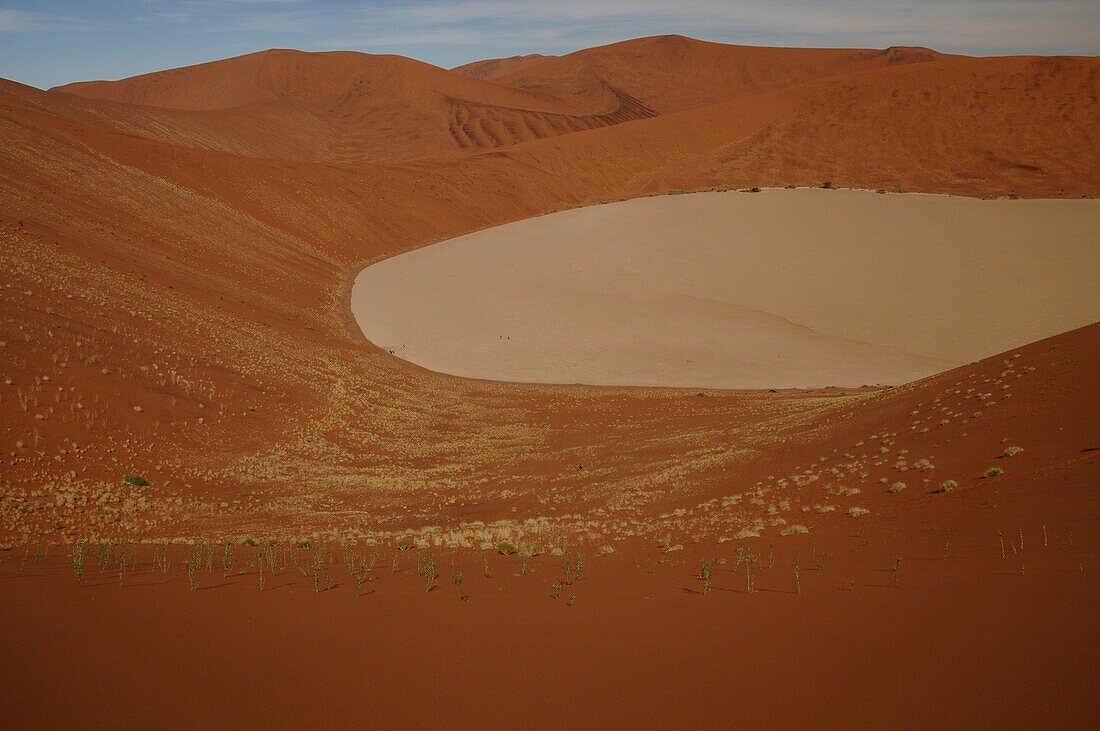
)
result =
(784, 288)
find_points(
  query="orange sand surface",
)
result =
(177, 258)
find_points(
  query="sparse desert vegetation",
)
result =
(206, 466)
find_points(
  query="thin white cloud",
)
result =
(22, 21)
(164, 16)
(16, 21)
(269, 21)
(222, 3)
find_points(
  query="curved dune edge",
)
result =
(779, 289)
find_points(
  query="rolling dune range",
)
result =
(178, 253)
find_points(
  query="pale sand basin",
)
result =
(779, 289)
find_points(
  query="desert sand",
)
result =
(178, 252)
(995, 593)
(773, 289)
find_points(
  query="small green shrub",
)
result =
(250, 542)
(1012, 451)
(994, 472)
(405, 544)
(505, 548)
(136, 480)
(897, 487)
(947, 486)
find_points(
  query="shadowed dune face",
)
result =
(347, 107)
(780, 289)
(354, 107)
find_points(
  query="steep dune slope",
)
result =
(1025, 413)
(344, 106)
(318, 81)
(883, 600)
(493, 68)
(672, 73)
(1018, 126)
(350, 107)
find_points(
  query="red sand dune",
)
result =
(672, 73)
(490, 69)
(352, 107)
(178, 251)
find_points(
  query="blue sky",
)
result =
(50, 42)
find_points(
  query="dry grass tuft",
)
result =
(706, 574)
(427, 570)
